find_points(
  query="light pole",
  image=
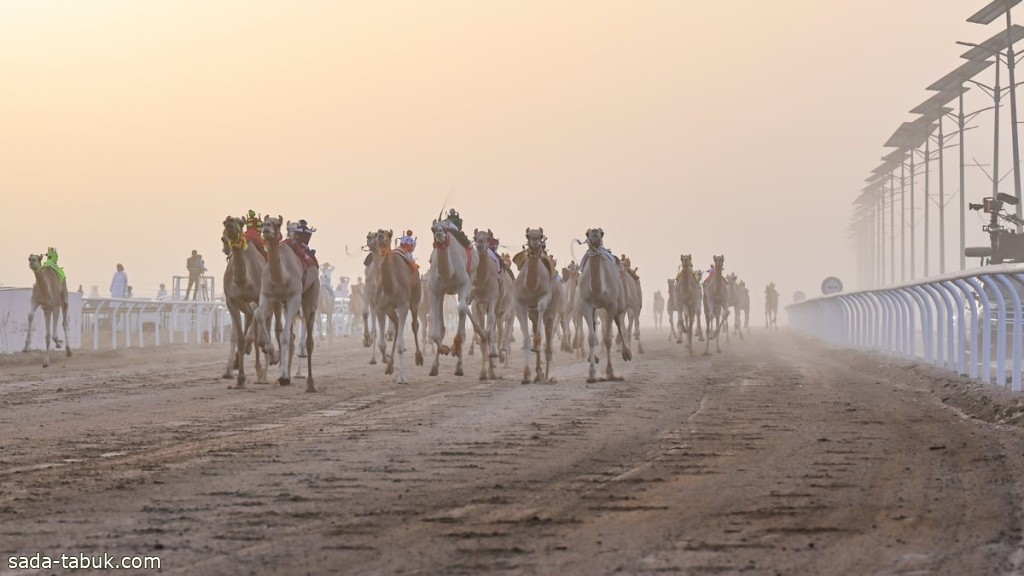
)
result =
(987, 14)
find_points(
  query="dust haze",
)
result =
(130, 130)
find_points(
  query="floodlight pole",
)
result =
(913, 242)
(1010, 64)
(881, 235)
(927, 190)
(892, 225)
(963, 207)
(942, 203)
(903, 224)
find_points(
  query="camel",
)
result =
(570, 328)
(486, 298)
(659, 309)
(536, 298)
(369, 312)
(634, 301)
(741, 305)
(506, 311)
(325, 313)
(688, 295)
(451, 271)
(733, 301)
(397, 296)
(716, 304)
(771, 306)
(600, 288)
(243, 279)
(293, 285)
(51, 293)
(672, 308)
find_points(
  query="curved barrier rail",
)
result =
(968, 322)
(140, 323)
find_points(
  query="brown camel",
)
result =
(536, 299)
(289, 283)
(506, 311)
(659, 309)
(688, 296)
(771, 306)
(716, 306)
(243, 278)
(672, 307)
(600, 288)
(570, 312)
(634, 299)
(50, 293)
(397, 296)
(486, 297)
(369, 312)
(451, 271)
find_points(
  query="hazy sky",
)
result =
(130, 129)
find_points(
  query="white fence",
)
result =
(969, 322)
(112, 323)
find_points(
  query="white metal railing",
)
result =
(173, 321)
(960, 316)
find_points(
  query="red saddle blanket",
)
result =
(303, 252)
(257, 240)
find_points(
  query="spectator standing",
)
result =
(196, 268)
(119, 284)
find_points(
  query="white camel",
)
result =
(716, 305)
(451, 270)
(600, 288)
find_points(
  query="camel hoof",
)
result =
(483, 377)
(591, 380)
(284, 381)
(445, 349)
(68, 352)
(419, 359)
(526, 381)
(433, 372)
(228, 376)
(389, 371)
(46, 364)
(373, 361)
(459, 372)
(537, 380)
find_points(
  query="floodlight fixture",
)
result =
(992, 10)
(959, 75)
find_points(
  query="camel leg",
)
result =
(287, 343)
(606, 333)
(524, 324)
(549, 352)
(460, 335)
(540, 329)
(415, 336)
(46, 322)
(67, 343)
(382, 344)
(588, 316)
(399, 344)
(436, 330)
(28, 335)
(491, 346)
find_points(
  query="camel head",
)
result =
(272, 228)
(719, 263)
(233, 228)
(507, 258)
(770, 288)
(371, 240)
(35, 261)
(439, 228)
(383, 238)
(595, 237)
(481, 238)
(687, 260)
(671, 283)
(535, 239)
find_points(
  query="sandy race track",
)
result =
(778, 456)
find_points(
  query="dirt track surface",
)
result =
(778, 456)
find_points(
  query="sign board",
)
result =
(799, 296)
(831, 285)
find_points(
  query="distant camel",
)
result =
(50, 292)
(742, 305)
(398, 297)
(600, 288)
(451, 270)
(325, 313)
(634, 298)
(243, 279)
(715, 304)
(771, 306)
(288, 283)
(672, 307)
(570, 280)
(536, 299)
(506, 311)
(688, 295)
(659, 309)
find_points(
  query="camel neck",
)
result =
(444, 263)
(238, 264)
(274, 260)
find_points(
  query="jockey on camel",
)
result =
(455, 226)
(51, 262)
(406, 246)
